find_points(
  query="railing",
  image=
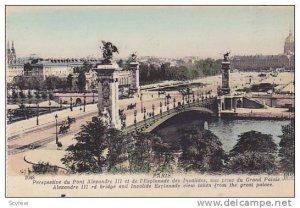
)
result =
(146, 123)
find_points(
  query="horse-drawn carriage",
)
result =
(131, 106)
(71, 120)
(64, 128)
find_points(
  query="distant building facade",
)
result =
(268, 62)
(289, 45)
(35, 67)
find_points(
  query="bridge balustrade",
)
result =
(140, 126)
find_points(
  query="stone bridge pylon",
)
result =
(108, 74)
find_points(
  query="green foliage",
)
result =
(201, 151)
(86, 67)
(208, 67)
(140, 156)
(152, 73)
(87, 154)
(118, 146)
(70, 81)
(51, 96)
(262, 87)
(55, 82)
(20, 82)
(254, 153)
(81, 81)
(37, 95)
(253, 141)
(29, 95)
(253, 163)
(21, 94)
(43, 168)
(14, 94)
(287, 148)
(44, 95)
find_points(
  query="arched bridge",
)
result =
(207, 105)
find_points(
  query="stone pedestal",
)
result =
(108, 94)
(135, 81)
(225, 89)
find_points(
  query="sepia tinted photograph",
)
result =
(150, 101)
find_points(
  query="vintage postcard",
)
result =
(150, 101)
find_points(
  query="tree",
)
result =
(37, 84)
(118, 148)
(252, 162)
(201, 151)
(14, 95)
(253, 141)
(87, 155)
(287, 148)
(21, 94)
(70, 81)
(29, 94)
(53, 82)
(254, 153)
(44, 95)
(81, 83)
(147, 152)
(37, 95)
(20, 82)
(86, 67)
(141, 153)
(49, 82)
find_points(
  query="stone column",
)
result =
(135, 82)
(108, 95)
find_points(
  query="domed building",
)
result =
(289, 45)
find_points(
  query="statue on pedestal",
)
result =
(133, 57)
(107, 50)
(226, 56)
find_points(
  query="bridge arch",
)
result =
(160, 121)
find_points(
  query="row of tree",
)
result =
(152, 73)
(99, 149)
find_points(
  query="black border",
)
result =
(147, 5)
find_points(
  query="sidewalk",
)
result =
(46, 119)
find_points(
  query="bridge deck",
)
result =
(151, 123)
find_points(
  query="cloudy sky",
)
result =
(154, 31)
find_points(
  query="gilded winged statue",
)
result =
(107, 50)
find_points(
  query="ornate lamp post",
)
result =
(60, 103)
(71, 104)
(93, 97)
(144, 113)
(124, 120)
(49, 106)
(141, 98)
(56, 135)
(188, 93)
(37, 113)
(153, 111)
(166, 99)
(193, 97)
(84, 101)
(135, 113)
(168, 109)
(174, 102)
(160, 111)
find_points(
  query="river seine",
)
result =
(227, 130)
